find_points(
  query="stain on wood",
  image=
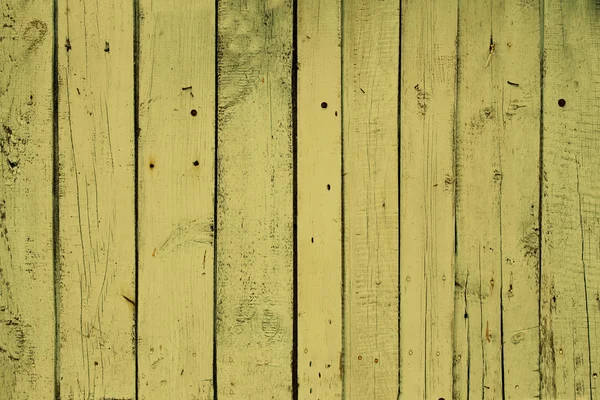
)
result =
(255, 200)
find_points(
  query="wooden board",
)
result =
(371, 229)
(497, 155)
(428, 92)
(516, 71)
(254, 200)
(319, 200)
(176, 199)
(96, 204)
(27, 307)
(570, 316)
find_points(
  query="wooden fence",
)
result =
(308, 199)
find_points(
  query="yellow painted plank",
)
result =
(96, 203)
(176, 199)
(254, 200)
(497, 155)
(371, 229)
(26, 250)
(515, 66)
(428, 91)
(319, 200)
(570, 316)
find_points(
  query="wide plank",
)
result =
(254, 335)
(497, 164)
(371, 32)
(428, 101)
(27, 308)
(176, 143)
(96, 290)
(570, 316)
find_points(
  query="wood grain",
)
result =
(96, 204)
(26, 162)
(254, 200)
(428, 101)
(176, 199)
(319, 200)
(497, 155)
(371, 233)
(570, 316)
(516, 69)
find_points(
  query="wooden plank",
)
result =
(176, 199)
(497, 155)
(570, 317)
(319, 200)
(96, 204)
(26, 162)
(370, 145)
(516, 32)
(255, 200)
(428, 89)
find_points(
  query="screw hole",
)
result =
(194, 113)
(562, 102)
(324, 105)
(196, 163)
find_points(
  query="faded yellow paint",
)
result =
(399, 202)
(27, 317)
(428, 103)
(176, 195)
(254, 328)
(319, 168)
(96, 240)
(371, 32)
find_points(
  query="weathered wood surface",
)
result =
(27, 309)
(255, 199)
(497, 196)
(428, 106)
(319, 167)
(287, 199)
(570, 313)
(176, 196)
(370, 34)
(96, 266)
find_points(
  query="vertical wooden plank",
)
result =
(96, 204)
(516, 66)
(26, 164)
(428, 91)
(570, 316)
(370, 113)
(176, 199)
(319, 200)
(255, 200)
(497, 156)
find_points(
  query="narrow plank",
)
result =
(26, 165)
(96, 203)
(319, 200)
(255, 200)
(497, 155)
(176, 199)
(370, 114)
(516, 32)
(428, 89)
(570, 316)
